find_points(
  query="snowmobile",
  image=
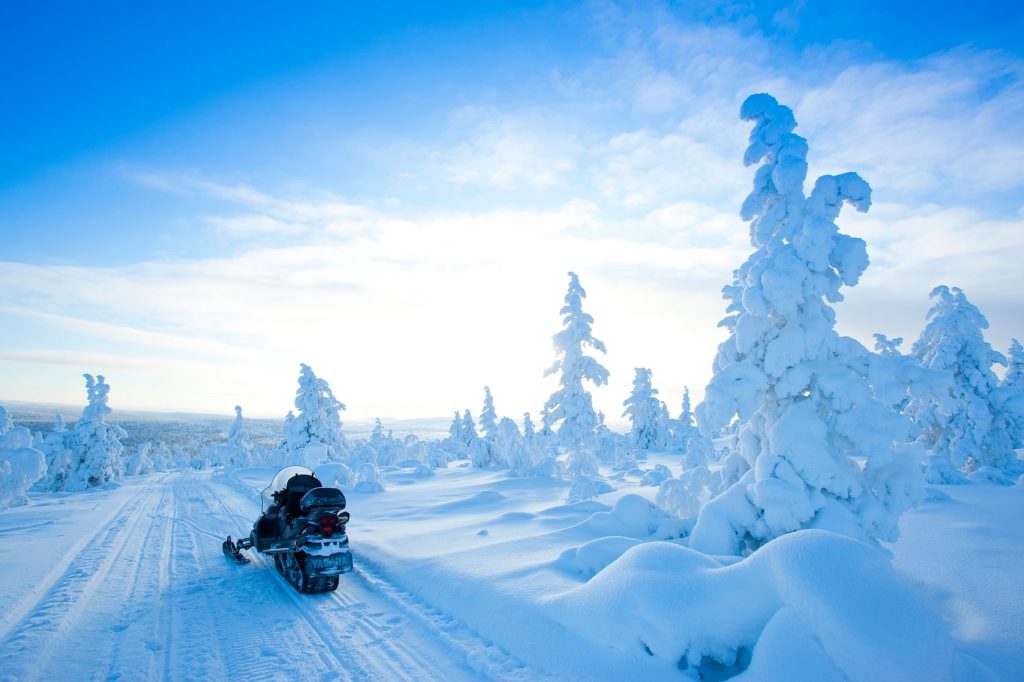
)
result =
(302, 525)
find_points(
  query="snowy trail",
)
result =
(148, 595)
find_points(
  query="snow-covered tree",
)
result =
(455, 430)
(161, 456)
(888, 348)
(180, 459)
(645, 412)
(1013, 385)
(233, 453)
(488, 418)
(468, 429)
(377, 436)
(571, 404)
(488, 450)
(686, 415)
(821, 450)
(529, 430)
(314, 434)
(545, 422)
(388, 450)
(974, 433)
(140, 463)
(97, 455)
(686, 439)
(897, 379)
(59, 458)
(515, 449)
(237, 434)
(21, 465)
(1014, 377)
(685, 496)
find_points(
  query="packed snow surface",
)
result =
(473, 574)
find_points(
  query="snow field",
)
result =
(586, 590)
(148, 589)
(472, 574)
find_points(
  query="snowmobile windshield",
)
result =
(280, 482)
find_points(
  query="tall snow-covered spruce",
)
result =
(974, 433)
(1013, 382)
(644, 412)
(488, 417)
(314, 435)
(823, 452)
(571, 406)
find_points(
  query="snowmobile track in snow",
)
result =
(382, 632)
(144, 592)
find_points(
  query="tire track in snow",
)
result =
(139, 598)
(163, 630)
(153, 596)
(14, 616)
(338, 663)
(259, 640)
(362, 646)
(51, 621)
(409, 641)
(482, 655)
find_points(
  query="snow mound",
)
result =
(990, 474)
(656, 476)
(586, 488)
(481, 499)
(334, 475)
(370, 480)
(581, 507)
(808, 605)
(632, 516)
(594, 556)
(20, 467)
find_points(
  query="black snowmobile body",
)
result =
(303, 527)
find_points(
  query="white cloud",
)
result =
(319, 211)
(253, 224)
(946, 128)
(449, 301)
(505, 150)
(628, 171)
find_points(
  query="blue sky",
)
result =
(196, 198)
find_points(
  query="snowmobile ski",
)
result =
(234, 551)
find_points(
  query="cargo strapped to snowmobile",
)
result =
(322, 498)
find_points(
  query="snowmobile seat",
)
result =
(322, 498)
(298, 485)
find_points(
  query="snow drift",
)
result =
(808, 605)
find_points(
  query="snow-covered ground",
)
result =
(473, 574)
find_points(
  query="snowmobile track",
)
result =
(359, 646)
(69, 600)
(144, 592)
(408, 640)
(14, 617)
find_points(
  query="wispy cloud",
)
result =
(505, 150)
(107, 362)
(624, 166)
(253, 224)
(319, 212)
